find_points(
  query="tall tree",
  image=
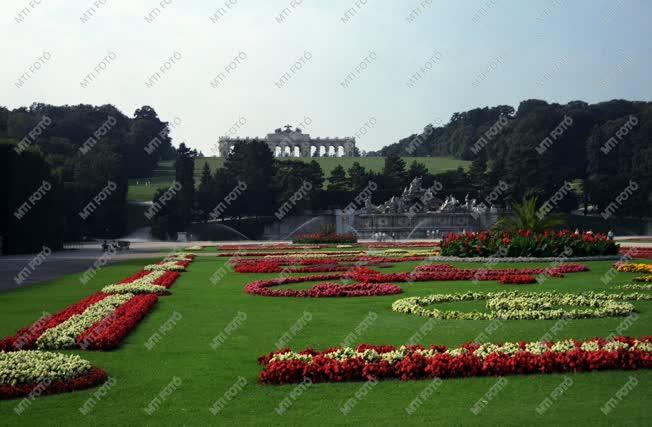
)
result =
(184, 175)
(337, 180)
(394, 174)
(251, 166)
(205, 193)
(358, 177)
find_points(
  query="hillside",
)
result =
(164, 173)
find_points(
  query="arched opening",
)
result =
(287, 151)
(313, 149)
(277, 151)
(297, 151)
(331, 151)
(340, 151)
(322, 151)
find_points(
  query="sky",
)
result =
(375, 70)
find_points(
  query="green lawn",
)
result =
(206, 309)
(164, 174)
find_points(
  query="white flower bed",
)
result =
(165, 266)
(135, 288)
(25, 367)
(636, 287)
(515, 305)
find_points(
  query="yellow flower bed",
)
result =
(635, 268)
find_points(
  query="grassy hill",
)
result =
(164, 174)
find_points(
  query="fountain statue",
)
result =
(419, 210)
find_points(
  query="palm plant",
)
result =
(526, 216)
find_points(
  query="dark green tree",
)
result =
(184, 167)
(205, 193)
(394, 175)
(337, 180)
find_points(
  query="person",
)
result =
(610, 235)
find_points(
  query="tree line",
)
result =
(68, 169)
(603, 149)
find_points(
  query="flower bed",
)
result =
(520, 306)
(633, 268)
(322, 264)
(26, 338)
(167, 279)
(375, 245)
(325, 238)
(23, 373)
(64, 335)
(369, 362)
(156, 282)
(109, 332)
(100, 321)
(265, 247)
(262, 287)
(167, 266)
(446, 272)
(131, 288)
(635, 287)
(637, 252)
(527, 244)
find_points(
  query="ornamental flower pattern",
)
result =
(370, 362)
(522, 306)
(102, 320)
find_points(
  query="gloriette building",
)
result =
(294, 143)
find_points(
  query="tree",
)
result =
(394, 175)
(528, 217)
(185, 176)
(337, 181)
(205, 192)
(29, 223)
(416, 169)
(358, 177)
(251, 166)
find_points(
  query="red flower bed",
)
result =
(25, 339)
(446, 272)
(265, 247)
(637, 252)
(92, 378)
(262, 287)
(414, 364)
(325, 264)
(526, 243)
(262, 254)
(519, 279)
(325, 237)
(107, 333)
(377, 245)
(167, 279)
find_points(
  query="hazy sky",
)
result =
(464, 54)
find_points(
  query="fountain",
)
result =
(415, 212)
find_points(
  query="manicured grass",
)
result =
(164, 174)
(206, 374)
